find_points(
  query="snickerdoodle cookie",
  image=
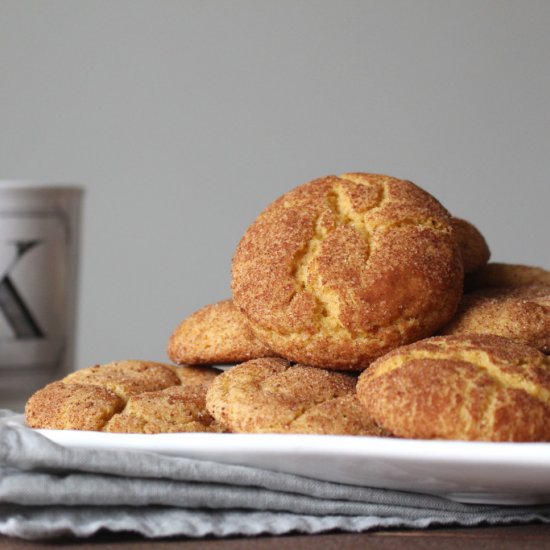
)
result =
(474, 387)
(270, 396)
(519, 313)
(60, 406)
(498, 274)
(174, 409)
(472, 244)
(340, 270)
(215, 334)
(89, 398)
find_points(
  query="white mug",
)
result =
(39, 251)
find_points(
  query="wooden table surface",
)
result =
(533, 536)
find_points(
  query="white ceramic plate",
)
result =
(492, 473)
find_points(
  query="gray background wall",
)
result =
(185, 118)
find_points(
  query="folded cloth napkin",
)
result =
(47, 490)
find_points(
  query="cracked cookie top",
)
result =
(271, 396)
(126, 378)
(475, 387)
(127, 396)
(341, 270)
(174, 409)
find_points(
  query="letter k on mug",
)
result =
(39, 242)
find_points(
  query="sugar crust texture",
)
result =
(127, 396)
(477, 387)
(271, 396)
(340, 270)
(472, 244)
(174, 409)
(519, 313)
(215, 334)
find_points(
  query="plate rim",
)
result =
(423, 450)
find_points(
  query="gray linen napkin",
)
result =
(47, 490)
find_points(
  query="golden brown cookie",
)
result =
(473, 246)
(475, 387)
(61, 406)
(127, 378)
(175, 409)
(216, 334)
(196, 376)
(340, 270)
(498, 274)
(150, 397)
(519, 313)
(270, 396)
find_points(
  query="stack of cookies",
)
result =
(360, 307)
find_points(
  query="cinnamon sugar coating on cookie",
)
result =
(520, 313)
(477, 387)
(495, 275)
(150, 397)
(472, 244)
(127, 378)
(271, 396)
(175, 409)
(196, 376)
(215, 334)
(341, 416)
(71, 406)
(341, 270)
